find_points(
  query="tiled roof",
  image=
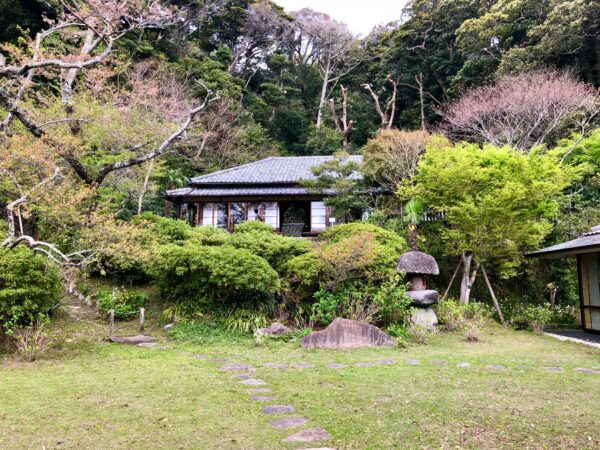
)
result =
(232, 191)
(275, 170)
(587, 242)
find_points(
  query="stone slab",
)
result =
(344, 333)
(424, 317)
(253, 382)
(309, 435)
(587, 371)
(496, 367)
(133, 340)
(554, 369)
(245, 376)
(413, 362)
(278, 409)
(365, 364)
(235, 367)
(259, 390)
(463, 364)
(289, 422)
(423, 298)
(386, 362)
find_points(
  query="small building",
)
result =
(587, 251)
(268, 190)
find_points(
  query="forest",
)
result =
(485, 111)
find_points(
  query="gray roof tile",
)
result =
(586, 242)
(278, 169)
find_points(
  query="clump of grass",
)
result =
(207, 331)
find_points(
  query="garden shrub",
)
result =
(532, 317)
(304, 274)
(29, 288)
(209, 236)
(361, 251)
(126, 303)
(276, 249)
(246, 321)
(166, 230)
(457, 316)
(254, 226)
(204, 275)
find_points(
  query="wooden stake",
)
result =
(142, 316)
(111, 323)
(496, 304)
(452, 280)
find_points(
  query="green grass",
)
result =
(90, 394)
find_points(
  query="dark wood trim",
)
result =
(580, 281)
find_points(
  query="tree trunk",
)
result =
(144, 187)
(468, 278)
(326, 74)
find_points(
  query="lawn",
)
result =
(91, 394)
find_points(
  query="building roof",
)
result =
(274, 170)
(586, 243)
(237, 190)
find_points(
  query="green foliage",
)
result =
(276, 249)
(126, 303)
(207, 331)
(254, 226)
(304, 275)
(324, 141)
(533, 316)
(457, 316)
(163, 229)
(246, 321)
(29, 288)
(498, 202)
(203, 275)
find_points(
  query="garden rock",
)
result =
(344, 333)
(168, 326)
(336, 366)
(495, 367)
(278, 409)
(424, 317)
(276, 365)
(289, 422)
(365, 364)
(413, 362)
(587, 371)
(309, 435)
(463, 364)
(274, 330)
(133, 340)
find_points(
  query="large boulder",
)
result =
(344, 333)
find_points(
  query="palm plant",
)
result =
(413, 215)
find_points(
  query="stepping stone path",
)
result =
(278, 409)
(309, 435)
(303, 366)
(262, 398)
(201, 357)
(463, 364)
(413, 362)
(554, 369)
(438, 362)
(495, 367)
(259, 390)
(218, 360)
(587, 371)
(253, 382)
(365, 364)
(522, 367)
(276, 365)
(289, 422)
(336, 366)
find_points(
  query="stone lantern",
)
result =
(416, 265)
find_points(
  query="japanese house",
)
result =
(268, 190)
(587, 251)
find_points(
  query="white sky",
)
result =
(360, 15)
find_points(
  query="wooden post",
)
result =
(452, 280)
(496, 304)
(142, 314)
(111, 323)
